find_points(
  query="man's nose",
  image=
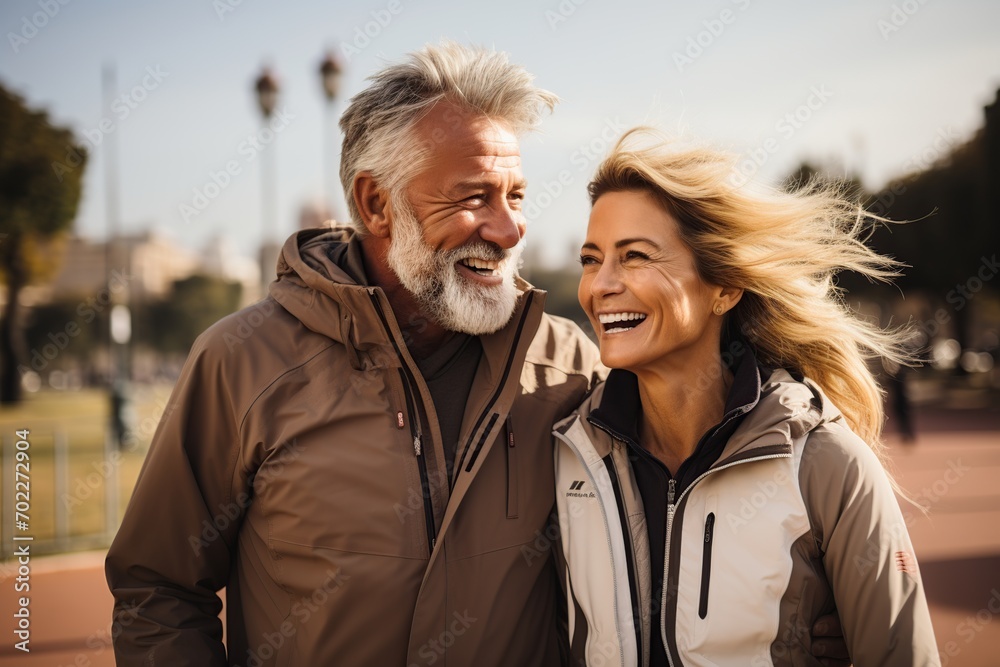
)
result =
(504, 226)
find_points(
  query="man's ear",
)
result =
(372, 202)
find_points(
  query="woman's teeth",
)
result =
(619, 322)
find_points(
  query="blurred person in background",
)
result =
(725, 488)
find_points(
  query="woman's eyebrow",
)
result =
(625, 242)
(622, 243)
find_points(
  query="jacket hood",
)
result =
(788, 409)
(323, 296)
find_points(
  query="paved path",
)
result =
(953, 468)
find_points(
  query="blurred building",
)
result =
(220, 259)
(148, 263)
(316, 214)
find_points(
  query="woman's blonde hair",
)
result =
(784, 250)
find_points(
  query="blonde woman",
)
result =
(724, 488)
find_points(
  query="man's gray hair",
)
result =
(379, 121)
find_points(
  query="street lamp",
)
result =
(267, 92)
(267, 89)
(330, 73)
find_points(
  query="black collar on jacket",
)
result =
(620, 410)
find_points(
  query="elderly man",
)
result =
(363, 459)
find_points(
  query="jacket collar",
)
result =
(619, 410)
(789, 406)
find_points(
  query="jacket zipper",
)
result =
(706, 564)
(405, 375)
(425, 487)
(671, 491)
(511, 472)
(496, 394)
(671, 507)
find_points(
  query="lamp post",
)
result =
(267, 89)
(119, 318)
(330, 73)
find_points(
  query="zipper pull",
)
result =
(671, 491)
(416, 445)
(399, 420)
(510, 433)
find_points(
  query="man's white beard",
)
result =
(454, 302)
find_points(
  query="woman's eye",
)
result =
(587, 260)
(635, 254)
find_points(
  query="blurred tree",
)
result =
(38, 201)
(808, 174)
(56, 329)
(948, 228)
(951, 236)
(196, 302)
(561, 287)
(803, 175)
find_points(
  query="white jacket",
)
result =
(795, 518)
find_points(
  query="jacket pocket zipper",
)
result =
(511, 472)
(706, 564)
(425, 487)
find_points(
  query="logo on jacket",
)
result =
(905, 562)
(576, 491)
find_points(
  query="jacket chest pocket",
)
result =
(351, 483)
(702, 565)
(706, 564)
(512, 496)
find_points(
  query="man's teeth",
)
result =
(608, 318)
(484, 266)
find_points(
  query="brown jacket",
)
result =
(289, 469)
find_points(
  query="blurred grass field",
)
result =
(81, 419)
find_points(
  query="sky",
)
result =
(878, 87)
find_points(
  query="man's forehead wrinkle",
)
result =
(477, 167)
(490, 162)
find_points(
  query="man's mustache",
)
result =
(481, 250)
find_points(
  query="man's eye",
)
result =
(517, 195)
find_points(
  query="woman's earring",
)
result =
(718, 309)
